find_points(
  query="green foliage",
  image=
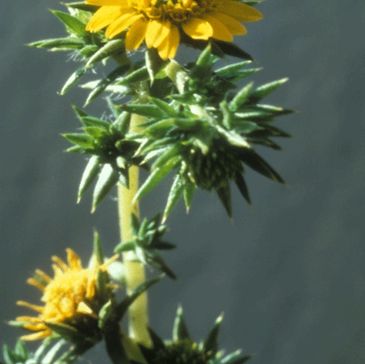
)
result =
(91, 51)
(52, 350)
(208, 131)
(147, 242)
(110, 153)
(202, 126)
(182, 349)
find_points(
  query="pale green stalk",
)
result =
(134, 271)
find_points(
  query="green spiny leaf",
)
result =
(175, 193)
(224, 194)
(83, 140)
(241, 97)
(122, 308)
(156, 177)
(59, 44)
(141, 74)
(254, 161)
(242, 186)
(164, 107)
(153, 63)
(180, 330)
(107, 50)
(72, 24)
(106, 181)
(267, 88)
(232, 70)
(72, 80)
(148, 110)
(205, 58)
(211, 342)
(235, 358)
(188, 193)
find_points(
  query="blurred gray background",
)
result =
(289, 271)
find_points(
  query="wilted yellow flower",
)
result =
(67, 297)
(160, 22)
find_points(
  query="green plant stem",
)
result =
(134, 270)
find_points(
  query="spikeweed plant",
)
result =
(197, 124)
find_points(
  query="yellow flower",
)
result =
(160, 22)
(67, 297)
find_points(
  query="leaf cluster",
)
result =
(183, 349)
(208, 137)
(52, 350)
(147, 242)
(110, 154)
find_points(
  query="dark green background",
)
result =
(288, 272)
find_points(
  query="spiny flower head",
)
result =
(69, 297)
(182, 349)
(161, 24)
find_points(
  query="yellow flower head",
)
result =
(160, 22)
(67, 297)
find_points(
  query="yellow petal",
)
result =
(220, 31)
(31, 319)
(107, 2)
(43, 275)
(33, 282)
(73, 259)
(122, 23)
(168, 48)
(103, 17)
(37, 336)
(164, 33)
(198, 28)
(240, 11)
(31, 306)
(83, 308)
(156, 32)
(233, 25)
(60, 263)
(135, 35)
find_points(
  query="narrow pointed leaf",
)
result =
(164, 106)
(73, 25)
(242, 186)
(145, 110)
(72, 80)
(153, 63)
(232, 70)
(188, 193)
(211, 342)
(104, 83)
(180, 330)
(230, 49)
(91, 171)
(82, 140)
(235, 358)
(241, 97)
(268, 88)
(175, 194)
(106, 181)
(51, 356)
(224, 194)
(156, 177)
(205, 58)
(141, 74)
(58, 44)
(107, 50)
(122, 308)
(254, 161)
